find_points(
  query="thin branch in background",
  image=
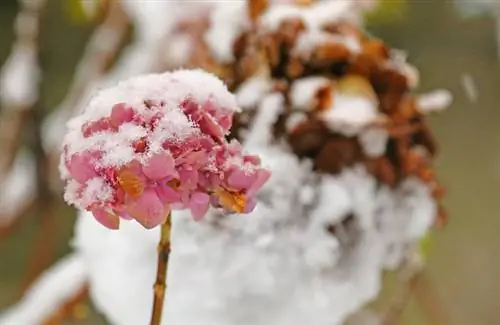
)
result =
(409, 277)
(95, 62)
(45, 243)
(69, 308)
(19, 82)
(414, 282)
(430, 302)
(100, 54)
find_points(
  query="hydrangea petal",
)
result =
(159, 166)
(198, 205)
(106, 219)
(81, 167)
(148, 210)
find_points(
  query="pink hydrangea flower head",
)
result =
(155, 143)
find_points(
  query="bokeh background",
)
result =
(461, 280)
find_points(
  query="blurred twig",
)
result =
(414, 282)
(19, 93)
(68, 309)
(102, 49)
(409, 276)
(430, 302)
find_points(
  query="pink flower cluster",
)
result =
(191, 170)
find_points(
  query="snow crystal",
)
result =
(96, 189)
(304, 91)
(197, 85)
(314, 16)
(437, 100)
(20, 183)
(308, 42)
(227, 22)
(373, 140)
(251, 92)
(19, 78)
(269, 110)
(350, 114)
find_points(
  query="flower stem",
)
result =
(160, 285)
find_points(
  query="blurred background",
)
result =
(454, 44)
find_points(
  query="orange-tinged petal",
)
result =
(232, 201)
(131, 183)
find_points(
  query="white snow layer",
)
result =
(19, 78)
(278, 265)
(18, 187)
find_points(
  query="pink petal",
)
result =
(188, 178)
(226, 122)
(81, 167)
(241, 180)
(262, 177)
(250, 206)
(209, 126)
(104, 124)
(107, 219)
(198, 204)
(160, 166)
(167, 195)
(121, 114)
(148, 209)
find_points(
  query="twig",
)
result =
(401, 300)
(160, 285)
(430, 302)
(19, 84)
(45, 242)
(410, 274)
(68, 308)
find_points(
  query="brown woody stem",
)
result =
(160, 285)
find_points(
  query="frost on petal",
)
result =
(148, 210)
(157, 142)
(121, 114)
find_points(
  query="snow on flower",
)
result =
(155, 143)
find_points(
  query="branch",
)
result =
(19, 79)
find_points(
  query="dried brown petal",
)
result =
(376, 49)
(328, 53)
(324, 98)
(338, 153)
(308, 138)
(363, 64)
(290, 30)
(424, 137)
(256, 8)
(389, 80)
(383, 170)
(441, 218)
(295, 68)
